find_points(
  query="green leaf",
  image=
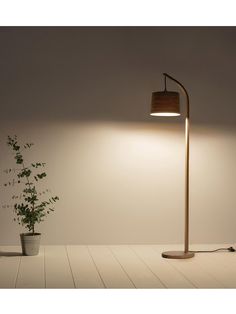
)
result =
(24, 173)
(41, 175)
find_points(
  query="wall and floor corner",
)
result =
(82, 95)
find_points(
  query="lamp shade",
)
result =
(165, 103)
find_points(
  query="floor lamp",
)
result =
(166, 103)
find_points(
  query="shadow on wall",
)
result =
(108, 73)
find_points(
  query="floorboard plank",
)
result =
(221, 265)
(83, 268)
(31, 271)
(110, 270)
(223, 272)
(57, 268)
(10, 257)
(193, 271)
(168, 275)
(140, 274)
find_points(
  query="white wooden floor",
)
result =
(118, 266)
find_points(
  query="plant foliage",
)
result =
(29, 207)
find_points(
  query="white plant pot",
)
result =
(30, 243)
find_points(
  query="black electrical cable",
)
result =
(229, 249)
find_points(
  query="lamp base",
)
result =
(177, 254)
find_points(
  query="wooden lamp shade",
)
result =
(165, 103)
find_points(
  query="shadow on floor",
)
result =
(9, 254)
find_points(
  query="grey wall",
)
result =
(82, 95)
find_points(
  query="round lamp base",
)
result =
(177, 254)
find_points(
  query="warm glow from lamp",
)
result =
(165, 114)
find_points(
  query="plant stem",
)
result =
(29, 185)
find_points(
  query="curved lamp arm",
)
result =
(183, 90)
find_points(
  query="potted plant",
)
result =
(29, 207)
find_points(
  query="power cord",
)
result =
(229, 249)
